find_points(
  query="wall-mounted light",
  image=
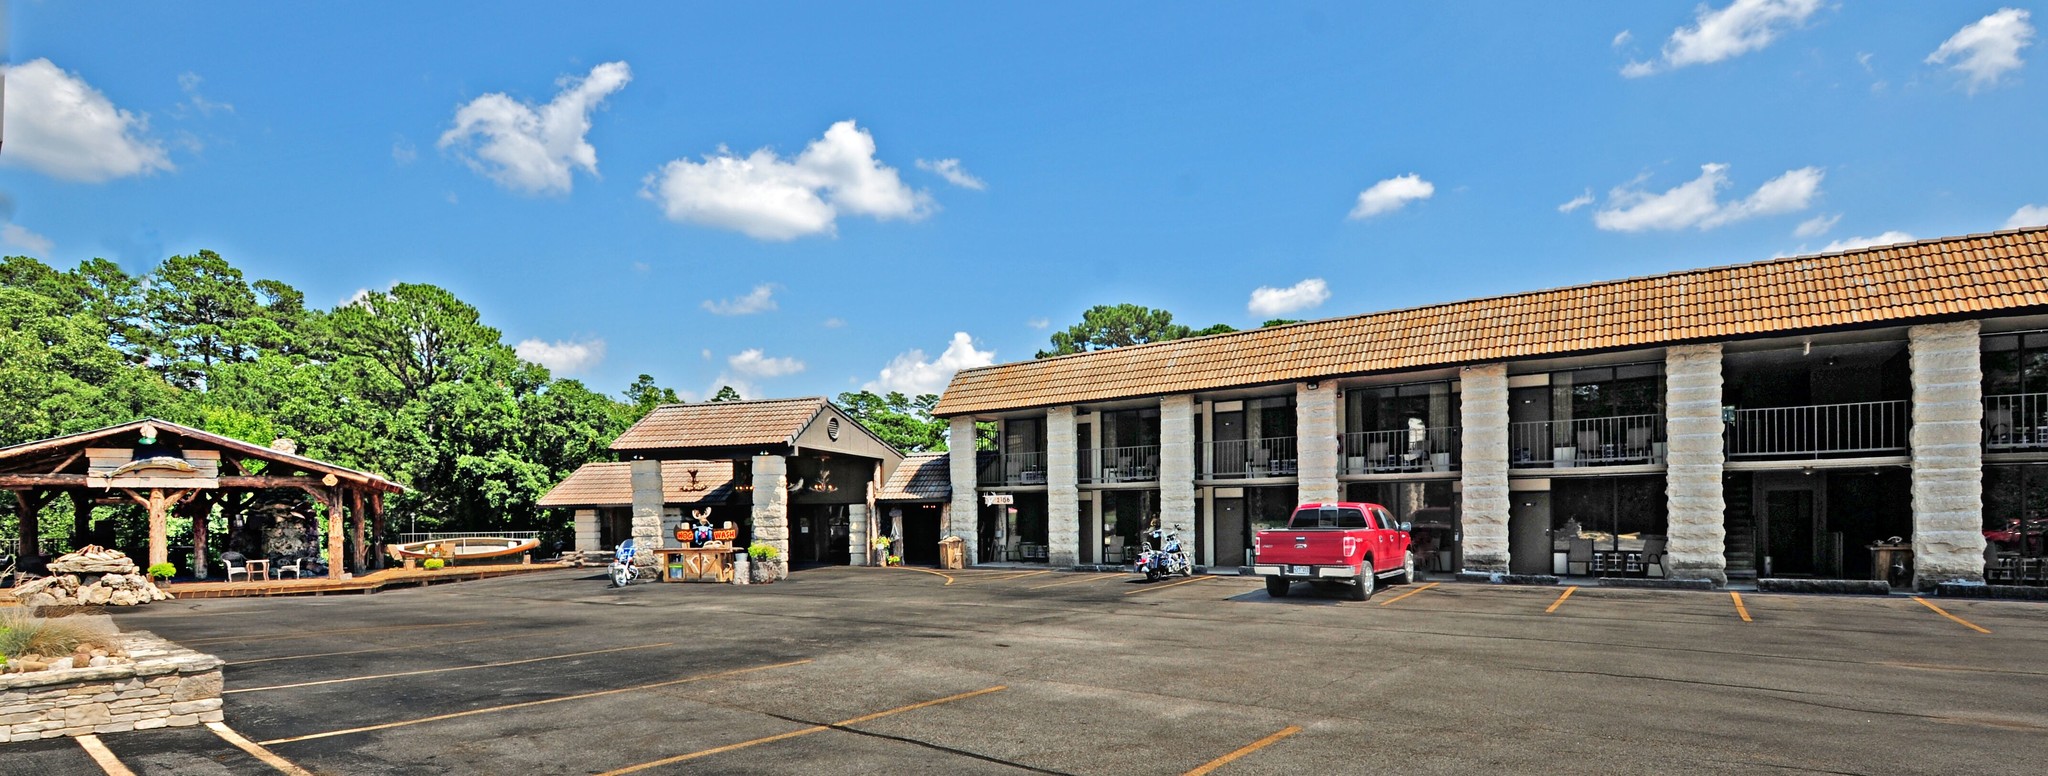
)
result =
(1312, 384)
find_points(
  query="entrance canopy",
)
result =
(161, 465)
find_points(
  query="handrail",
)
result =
(1402, 450)
(1618, 440)
(1015, 469)
(1820, 429)
(1131, 463)
(2016, 421)
(1246, 458)
(429, 536)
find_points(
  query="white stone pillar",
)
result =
(964, 520)
(1315, 438)
(1177, 465)
(1484, 408)
(1062, 488)
(1697, 535)
(771, 506)
(857, 549)
(647, 501)
(587, 534)
(1948, 457)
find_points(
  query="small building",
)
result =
(797, 474)
(914, 504)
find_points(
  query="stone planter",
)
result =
(763, 572)
(166, 686)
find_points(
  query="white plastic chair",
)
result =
(235, 563)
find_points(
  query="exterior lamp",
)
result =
(148, 434)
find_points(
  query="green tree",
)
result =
(904, 422)
(726, 393)
(1278, 322)
(643, 396)
(1219, 328)
(199, 308)
(1114, 326)
(419, 335)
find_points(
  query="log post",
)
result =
(81, 518)
(201, 511)
(332, 500)
(159, 504)
(355, 513)
(377, 515)
(30, 506)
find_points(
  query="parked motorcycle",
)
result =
(1171, 558)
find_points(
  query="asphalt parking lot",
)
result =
(849, 670)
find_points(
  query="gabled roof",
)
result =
(62, 448)
(921, 477)
(611, 484)
(719, 426)
(1886, 285)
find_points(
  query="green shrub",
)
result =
(162, 570)
(762, 552)
(433, 563)
(22, 635)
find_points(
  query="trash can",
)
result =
(952, 553)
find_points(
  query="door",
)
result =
(1231, 539)
(1790, 533)
(921, 534)
(1529, 550)
(1228, 455)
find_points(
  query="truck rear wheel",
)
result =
(1407, 571)
(1362, 588)
(1276, 587)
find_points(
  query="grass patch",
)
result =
(23, 635)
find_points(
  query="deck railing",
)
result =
(1405, 450)
(1248, 458)
(1613, 441)
(428, 536)
(1135, 463)
(1858, 428)
(2016, 422)
(1015, 469)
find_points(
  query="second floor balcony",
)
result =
(1403, 451)
(1820, 430)
(1008, 469)
(1623, 440)
(1109, 465)
(2016, 423)
(1251, 458)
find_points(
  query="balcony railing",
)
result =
(1614, 441)
(1247, 458)
(1015, 469)
(2016, 422)
(1860, 428)
(1406, 450)
(1138, 463)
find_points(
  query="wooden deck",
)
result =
(368, 583)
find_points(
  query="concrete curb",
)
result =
(1827, 586)
(1506, 579)
(1996, 592)
(1658, 584)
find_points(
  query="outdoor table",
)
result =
(696, 564)
(258, 567)
(1627, 562)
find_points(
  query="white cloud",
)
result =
(2028, 215)
(1577, 202)
(1817, 225)
(189, 83)
(766, 197)
(835, 323)
(1988, 48)
(1741, 27)
(1696, 203)
(20, 237)
(911, 374)
(1267, 300)
(1392, 194)
(759, 300)
(403, 151)
(360, 296)
(1852, 243)
(60, 126)
(1038, 323)
(562, 356)
(535, 148)
(753, 363)
(951, 170)
(1622, 38)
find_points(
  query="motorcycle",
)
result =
(621, 570)
(1168, 560)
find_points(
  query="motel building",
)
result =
(1870, 414)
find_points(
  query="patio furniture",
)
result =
(258, 567)
(297, 567)
(1639, 442)
(1589, 444)
(1578, 556)
(1653, 555)
(236, 564)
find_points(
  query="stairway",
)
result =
(1740, 546)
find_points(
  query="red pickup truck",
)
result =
(1351, 543)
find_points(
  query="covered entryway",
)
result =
(913, 505)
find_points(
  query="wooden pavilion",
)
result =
(164, 466)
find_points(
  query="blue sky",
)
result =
(589, 176)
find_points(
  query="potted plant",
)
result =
(432, 564)
(161, 572)
(764, 564)
(881, 545)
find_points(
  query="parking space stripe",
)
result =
(360, 651)
(529, 704)
(446, 670)
(256, 750)
(1246, 749)
(318, 633)
(1085, 578)
(1409, 593)
(1739, 608)
(949, 577)
(1560, 599)
(1150, 588)
(1944, 613)
(800, 732)
(103, 756)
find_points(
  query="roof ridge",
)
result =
(730, 402)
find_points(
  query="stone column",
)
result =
(1315, 437)
(1948, 457)
(1696, 538)
(858, 550)
(1062, 488)
(647, 503)
(588, 537)
(1177, 465)
(1484, 407)
(771, 506)
(964, 520)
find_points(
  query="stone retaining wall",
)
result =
(166, 686)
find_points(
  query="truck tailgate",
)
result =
(1311, 546)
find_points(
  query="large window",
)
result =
(1614, 513)
(1430, 507)
(1608, 392)
(1393, 407)
(2015, 522)
(2016, 363)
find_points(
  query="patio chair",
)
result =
(1639, 442)
(1579, 556)
(1589, 444)
(1998, 425)
(237, 563)
(1261, 462)
(297, 567)
(1376, 454)
(1653, 556)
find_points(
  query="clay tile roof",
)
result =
(1881, 285)
(721, 424)
(611, 484)
(921, 477)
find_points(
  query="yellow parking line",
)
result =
(103, 756)
(527, 704)
(1409, 593)
(1009, 576)
(1739, 608)
(1150, 588)
(1086, 577)
(256, 750)
(800, 732)
(1560, 599)
(949, 577)
(446, 670)
(317, 633)
(1944, 613)
(1246, 749)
